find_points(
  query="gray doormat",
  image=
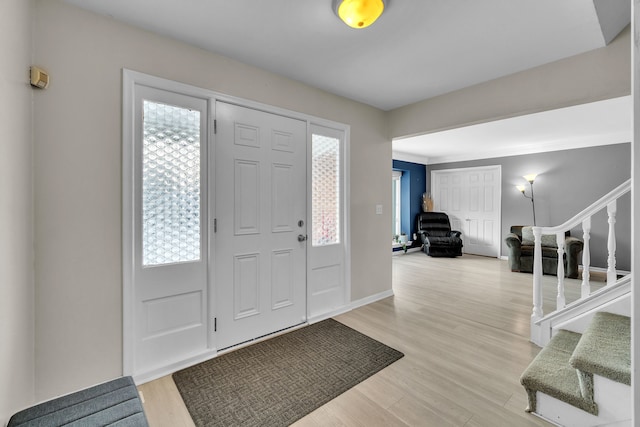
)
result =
(280, 380)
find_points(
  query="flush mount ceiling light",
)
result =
(359, 13)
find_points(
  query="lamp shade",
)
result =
(531, 177)
(520, 188)
(359, 13)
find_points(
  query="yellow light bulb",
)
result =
(360, 13)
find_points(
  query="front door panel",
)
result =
(260, 199)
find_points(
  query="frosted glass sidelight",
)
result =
(325, 192)
(170, 184)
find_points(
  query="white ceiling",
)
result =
(418, 49)
(598, 123)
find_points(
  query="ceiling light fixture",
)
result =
(359, 13)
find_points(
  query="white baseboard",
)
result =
(604, 270)
(352, 306)
(370, 299)
(169, 369)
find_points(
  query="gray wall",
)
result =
(568, 182)
(16, 210)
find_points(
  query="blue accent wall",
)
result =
(414, 184)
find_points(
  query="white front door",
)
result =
(260, 241)
(471, 198)
(169, 249)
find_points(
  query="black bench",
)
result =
(115, 403)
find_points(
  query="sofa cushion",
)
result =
(548, 240)
(547, 252)
(443, 241)
(437, 233)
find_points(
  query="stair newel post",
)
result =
(611, 243)
(537, 286)
(560, 299)
(586, 259)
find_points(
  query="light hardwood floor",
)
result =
(463, 325)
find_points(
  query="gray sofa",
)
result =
(520, 243)
(115, 403)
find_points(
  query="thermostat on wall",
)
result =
(39, 78)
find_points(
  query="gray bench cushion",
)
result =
(114, 403)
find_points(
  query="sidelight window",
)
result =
(170, 184)
(325, 204)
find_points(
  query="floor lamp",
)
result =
(530, 178)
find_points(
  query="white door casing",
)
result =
(472, 199)
(261, 198)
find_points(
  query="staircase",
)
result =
(582, 376)
(584, 379)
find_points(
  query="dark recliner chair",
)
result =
(435, 233)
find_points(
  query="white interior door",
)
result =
(471, 198)
(260, 242)
(170, 228)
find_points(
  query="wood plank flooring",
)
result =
(463, 325)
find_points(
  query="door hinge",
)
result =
(215, 324)
(215, 225)
(215, 126)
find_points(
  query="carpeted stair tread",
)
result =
(605, 348)
(551, 373)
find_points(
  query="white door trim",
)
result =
(132, 78)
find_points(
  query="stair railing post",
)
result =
(560, 299)
(611, 243)
(537, 285)
(585, 288)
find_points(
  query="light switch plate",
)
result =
(378, 209)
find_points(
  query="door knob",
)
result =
(302, 237)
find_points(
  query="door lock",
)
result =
(302, 237)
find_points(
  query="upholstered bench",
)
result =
(115, 403)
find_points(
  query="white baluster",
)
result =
(586, 258)
(560, 299)
(537, 276)
(611, 244)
